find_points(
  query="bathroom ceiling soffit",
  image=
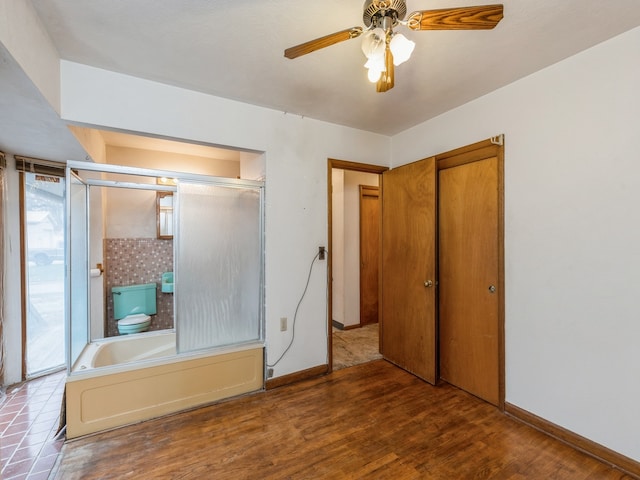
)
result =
(118, 139)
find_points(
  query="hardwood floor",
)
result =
(369, 421)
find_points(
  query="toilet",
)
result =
(133, 306)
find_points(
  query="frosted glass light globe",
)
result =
(402, 48)
(373, 43)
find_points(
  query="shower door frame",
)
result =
(78, 166)
(72, 178)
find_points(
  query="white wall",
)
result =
(337, 245)
(132, 213)
(572, 236)
(92, 143)
(24, 37)
(11, 296)
(296, 151)
(138, 157)
(252, 166)
(129, 213)
(22, 33)
(346, 243)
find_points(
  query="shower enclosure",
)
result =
(215, 349)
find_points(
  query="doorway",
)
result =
(442, 219)
(354, 224)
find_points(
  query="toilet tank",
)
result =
(134, 299)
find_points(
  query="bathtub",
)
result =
(126, 349)
(124, 380)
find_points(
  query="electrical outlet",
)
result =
(321, 252)
(269, 372)
(283, 324)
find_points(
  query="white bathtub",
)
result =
(126, 349)
(124, 380)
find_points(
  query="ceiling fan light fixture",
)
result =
(375, 65)
(402, 48)
(373, 43)
(382, 45)
(374, 10)
(374, 75)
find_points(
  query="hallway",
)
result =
(355, 346)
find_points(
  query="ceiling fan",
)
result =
(385, 48)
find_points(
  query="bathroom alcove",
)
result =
(126, 221)
(219, 331)
(218, 247)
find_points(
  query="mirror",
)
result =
(164, 214)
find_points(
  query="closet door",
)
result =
(469, 269)
(408, 273)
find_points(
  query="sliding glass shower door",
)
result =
(78, 266)
(219, 264)
(218, 256)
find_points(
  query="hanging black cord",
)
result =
(295, 315)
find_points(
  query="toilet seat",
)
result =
(134, 319)
(134, 323)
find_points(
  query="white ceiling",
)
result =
(28, 124)
(234, 49)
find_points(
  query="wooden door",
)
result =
(408, 293)
(369, 253)
(469, 278)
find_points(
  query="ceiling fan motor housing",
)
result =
(376, 10)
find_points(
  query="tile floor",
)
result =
(355, 346)
(29, 417)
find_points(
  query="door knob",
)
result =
(428, 283)
(492, 288)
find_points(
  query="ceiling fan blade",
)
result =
(322, 42)
(386, 81)
(483, 17)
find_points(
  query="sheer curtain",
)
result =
(218, 265)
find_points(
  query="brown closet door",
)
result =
(369, 253)
(408, 293)
(469, 277)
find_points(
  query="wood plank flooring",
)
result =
(370, 421)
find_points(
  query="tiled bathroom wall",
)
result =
(135, 261)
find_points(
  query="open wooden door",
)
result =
(408, 334)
